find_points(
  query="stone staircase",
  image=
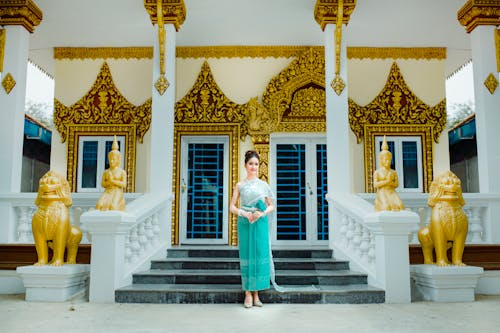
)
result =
(211, 275)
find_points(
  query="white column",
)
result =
(337, 118)
(12, 108)
(487, 108)
(162, 124)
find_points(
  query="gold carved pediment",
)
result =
(397, 104)
(295, 97)
(103, 105)
(206, 103)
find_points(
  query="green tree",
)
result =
(458, 112)
(41, 112)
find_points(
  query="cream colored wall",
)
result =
(425, 78)
(74, 78)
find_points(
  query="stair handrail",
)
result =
(126, 242)
(374, 242)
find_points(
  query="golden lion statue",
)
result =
(50, 223)
(448, 225)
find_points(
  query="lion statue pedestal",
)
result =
(53, 280)
(438, 280)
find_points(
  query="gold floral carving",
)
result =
(126, 130)
(194, 52)
(257, 116)
(479, 12)
(206, 103)
(2, 48)
(8, 83)
(491, 83)
(174, 11)
(396, 104)
(292, 87)
(103, 104)
(308, 103)
(20, 12)
(182, 129)
(497, 47)
(289, 51)
(325, 11)
(371, 131)
(396, 53)
(338, 84)
(103, 53)
(162, 83)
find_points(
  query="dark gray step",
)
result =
(232, 252)
(234, 263)
(211, 294)
(226, 276)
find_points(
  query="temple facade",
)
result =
(184, 108)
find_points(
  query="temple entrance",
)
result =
(299, 180)
(204, 184)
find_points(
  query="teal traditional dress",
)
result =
(255, 254)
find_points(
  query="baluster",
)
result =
(24, 233)
(343, 229)
(475, 234)
(128, 250)
(156, 228)
(356, 239)
(365, 244)
(350, 232)
(143, 240)
(371, 250)
(148, 226)
(134, 244)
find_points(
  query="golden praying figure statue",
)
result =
(385, 180)
(114, 180)
(50, 224)
(448, 225)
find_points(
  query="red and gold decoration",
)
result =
(20, 12)
(479, 12)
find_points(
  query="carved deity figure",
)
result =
(448, 225)
(51, 225)
(114, 180)
(385, 180)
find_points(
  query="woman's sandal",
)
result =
(248, 302)
(258, 303)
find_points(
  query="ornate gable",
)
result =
(206, 103)
(397, 104)
(103, 105)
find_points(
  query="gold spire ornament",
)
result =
(338, 84)
(162, 83)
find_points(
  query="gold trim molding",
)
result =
(396, 104)
(217, 52)
(479, 12)
(20, 12)
(497, 47)
(174, 11)
(396, 53)
(8, 83)
(2, 47)
(372, 131)
(74, 133)
(103, 53)
(325, 11)
(103, 104)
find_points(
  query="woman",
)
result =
(253, 230)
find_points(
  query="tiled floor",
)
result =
(16, 315)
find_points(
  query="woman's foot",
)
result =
(248, 301)
(256, 300)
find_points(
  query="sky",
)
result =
(459, 87)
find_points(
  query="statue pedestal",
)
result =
(54, 284)
(445, 284)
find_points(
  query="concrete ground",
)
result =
(17, 315)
